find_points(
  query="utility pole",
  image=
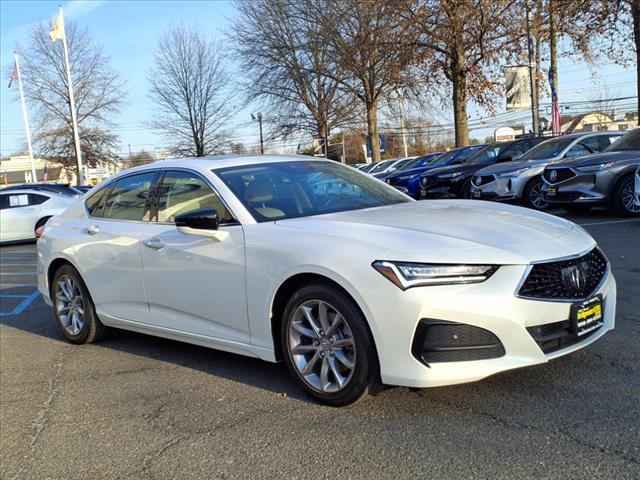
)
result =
(25, 116)
(402, 124)
(258, 118)
(553, 51)
(533, 79)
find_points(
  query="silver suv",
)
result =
(521, 181)
(605, 179)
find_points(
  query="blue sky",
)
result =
(128, 31)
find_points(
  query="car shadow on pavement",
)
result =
(273, 377)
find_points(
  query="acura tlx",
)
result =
(351, 283)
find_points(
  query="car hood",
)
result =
(409, 172)
(462, 167)
(447, 231)
(596, 158)
(513, 166)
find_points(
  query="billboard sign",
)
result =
(504, 134)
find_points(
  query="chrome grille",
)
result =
(559, 280)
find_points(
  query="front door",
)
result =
(195, 284)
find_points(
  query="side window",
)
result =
(128, 199)
(606, 141)
(94, 202)
(183, 191)
(517, 150)
(577, 150)
(18, 200)
(4, 202)
(36, 199)
(592, 143)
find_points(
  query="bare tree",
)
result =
(369, 42)
(97, 90)
(188, 85)
(464, 41)
(285, 59)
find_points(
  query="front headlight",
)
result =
(407, 275)
(515, 173)
(451, 175)
(595, 168)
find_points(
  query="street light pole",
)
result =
(258, 118)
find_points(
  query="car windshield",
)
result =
(380, 166)
(367, 167)
(281, 190)
(402, 164)
(548, 149)
(487, 154)
(444, 158)
(631, 141)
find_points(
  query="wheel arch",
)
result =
(288, 287)
(54, 266)
(629, 170)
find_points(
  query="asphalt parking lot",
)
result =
(135, 406)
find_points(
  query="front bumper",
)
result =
(583, 188)
(491, 306)
(500, 189)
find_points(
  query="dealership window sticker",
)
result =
(18, 200)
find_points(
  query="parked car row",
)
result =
(575, 172)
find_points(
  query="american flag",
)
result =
(556, 125)
(14, 75)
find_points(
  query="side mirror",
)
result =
(203, 222)
(573, 153)
(504, 159)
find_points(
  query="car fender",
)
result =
(628, 170)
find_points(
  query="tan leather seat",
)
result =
(258, 193)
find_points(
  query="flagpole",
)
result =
(76, 136)
(25, 116)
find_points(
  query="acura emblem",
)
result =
(575, 277)
(553, 175)
(478, 180)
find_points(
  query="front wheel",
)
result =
(73, 307)
(533, 197)
(624, 199)
(328, 347)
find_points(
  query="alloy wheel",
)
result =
(628, 198)
(321, 346)
(535, 197)
(69, 304)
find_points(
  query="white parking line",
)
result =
(18, 273)
(609, 222)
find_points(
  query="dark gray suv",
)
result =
(601, 179)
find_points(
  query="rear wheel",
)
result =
(328, 347)
(74, 308)
(532, 195)
(623, 198)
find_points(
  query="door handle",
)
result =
(154, 243)
(93, 229)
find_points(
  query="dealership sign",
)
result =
(504, 134)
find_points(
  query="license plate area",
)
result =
(477, 193)
(587, 316)
(551, 191)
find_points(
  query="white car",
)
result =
(350, 282)
(23, 211)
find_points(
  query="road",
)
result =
(134, 406)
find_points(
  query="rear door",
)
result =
(116, 226)
(195, 284)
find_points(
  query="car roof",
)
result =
(215, 162)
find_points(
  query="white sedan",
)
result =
(23, 211)
(351, 283)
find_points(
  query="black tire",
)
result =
(577, 208)
(532, 195)
(622, 198)
(365, 376)
(92, 330)
(40, 223)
